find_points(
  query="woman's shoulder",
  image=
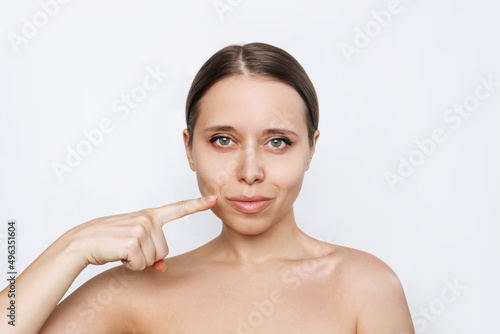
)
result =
(375, 293)
(362, 271)
(369, 281)
(358, 260)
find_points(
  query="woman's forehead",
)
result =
(243, 101)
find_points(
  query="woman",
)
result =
(252, 128)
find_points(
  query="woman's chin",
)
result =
(247, 228)
(245, 225)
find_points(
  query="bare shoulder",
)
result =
(375, 291)
(364, 274)
(113, 300)
(95, 306)
(363, 269)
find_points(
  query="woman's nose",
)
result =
(250, 167)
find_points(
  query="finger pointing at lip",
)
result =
(169, 212)
(136, 238)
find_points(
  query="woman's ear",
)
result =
(312, 148)
(185, 137)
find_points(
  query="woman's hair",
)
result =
(254, 59)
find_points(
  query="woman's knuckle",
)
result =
(145, 218)
(139, 231)
(163, 252)
(132, 245)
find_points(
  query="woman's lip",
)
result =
(249, 207)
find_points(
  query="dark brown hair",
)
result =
(254, 59)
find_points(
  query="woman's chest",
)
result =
(248, 304)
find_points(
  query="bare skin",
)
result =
(336, 290)
(262, 274)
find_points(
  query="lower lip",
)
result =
(250, 207)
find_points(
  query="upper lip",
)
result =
(243, 198)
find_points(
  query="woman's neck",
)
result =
(282, 241)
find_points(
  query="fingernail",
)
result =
(164, 269)
(211, 198)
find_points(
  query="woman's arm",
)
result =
(104, 304)
(40, 287)
(135, 238)
(382, 304)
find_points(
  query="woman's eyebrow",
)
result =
(279, 131)
(219, 128)
(269, 131)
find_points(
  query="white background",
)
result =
(440, 224)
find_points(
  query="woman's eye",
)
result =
(222, 141)
(277, 143)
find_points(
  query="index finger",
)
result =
(177, 210)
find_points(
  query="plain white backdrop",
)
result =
(389, 75)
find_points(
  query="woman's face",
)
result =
(250, 139)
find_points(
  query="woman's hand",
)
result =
(135, 238)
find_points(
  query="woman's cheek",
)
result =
(212, 176)
(288, 178)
